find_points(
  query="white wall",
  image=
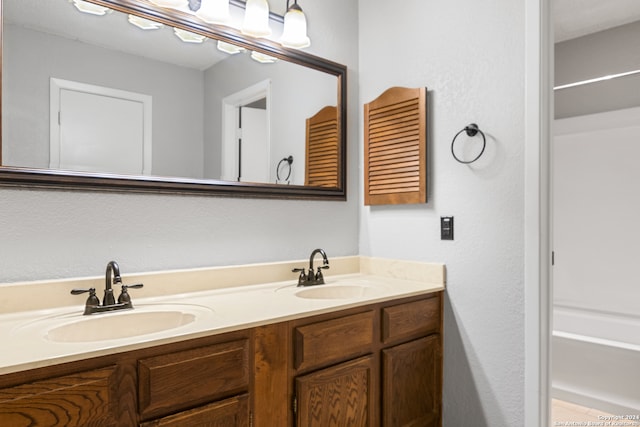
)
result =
(596, 207)
(31, 57)
(616, 51)
(297, 93)
(470, 55)
(57, 234)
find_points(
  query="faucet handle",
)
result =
(92, 300)
(124, 297)
(303, 276)
(319, 276)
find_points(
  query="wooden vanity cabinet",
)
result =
(340, 395)
(411, 374)
(198, 382)
(379, 365)
(341, 390)
(189, 378)
(374, 365)
(86, 398)
(232, 412)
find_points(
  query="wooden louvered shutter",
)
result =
(395, 147)
(323, 149)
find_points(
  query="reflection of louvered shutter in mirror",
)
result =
(395, 147)
(323, 150)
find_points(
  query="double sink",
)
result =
(154, 318)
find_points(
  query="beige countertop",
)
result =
(223, 299)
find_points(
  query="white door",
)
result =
(96, 129)
(254, 161)
(255, 126)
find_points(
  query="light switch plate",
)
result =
(446, 228)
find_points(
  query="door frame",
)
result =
(230, 105)
(538, 122)
(56, 85)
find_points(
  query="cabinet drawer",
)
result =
(226, 413)
(80, 399)
(411, 319)
(335, 340)
(172, 382)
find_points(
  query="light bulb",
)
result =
(214, 11)
(229, 48)
(256, 19)
(188, 36)
(90, 8)
(263, 58)
(143, 23)
(176, 4)
(294, 34)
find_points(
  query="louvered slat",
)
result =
(395, 147)
(321, 164)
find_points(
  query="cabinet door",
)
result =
(81, 399)
(233, 412)
(340, 396)
(176, 381)
(411, 383)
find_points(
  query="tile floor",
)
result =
(565, 412)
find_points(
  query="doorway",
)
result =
(99, 129)
(594, 338)
(246, 134)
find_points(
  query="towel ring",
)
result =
(471, 130)
(289, 160)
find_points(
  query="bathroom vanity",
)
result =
(330, 357)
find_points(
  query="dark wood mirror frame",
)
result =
(46, 178)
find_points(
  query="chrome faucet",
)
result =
(93, 306)
(311, 278)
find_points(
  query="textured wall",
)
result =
(52, 234)
(470, 55)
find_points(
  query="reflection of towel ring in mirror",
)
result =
(289, 160)
(471, 130)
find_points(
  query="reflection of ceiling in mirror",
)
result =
(111, 31)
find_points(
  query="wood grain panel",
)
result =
(411, 384)
(82, 399)
(336, 397)
(188, 378)
(323, 149)
(233, 412)
(332, 341)
(406, 320)
(396, 147)
(271, 391)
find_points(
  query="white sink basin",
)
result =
(336, 292)
(143, 320)
(119, 325)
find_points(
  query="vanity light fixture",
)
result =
(144, 24)
(263, 58)
(255, 22)
(256, 19)
(214, 11)
(229, 48)
(188, 36)
(90, 8)
(294, 34)
(175, 4)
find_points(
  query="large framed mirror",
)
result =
(151, 99)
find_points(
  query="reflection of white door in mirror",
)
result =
(253, 162)
(246, 139)
(98, 129)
